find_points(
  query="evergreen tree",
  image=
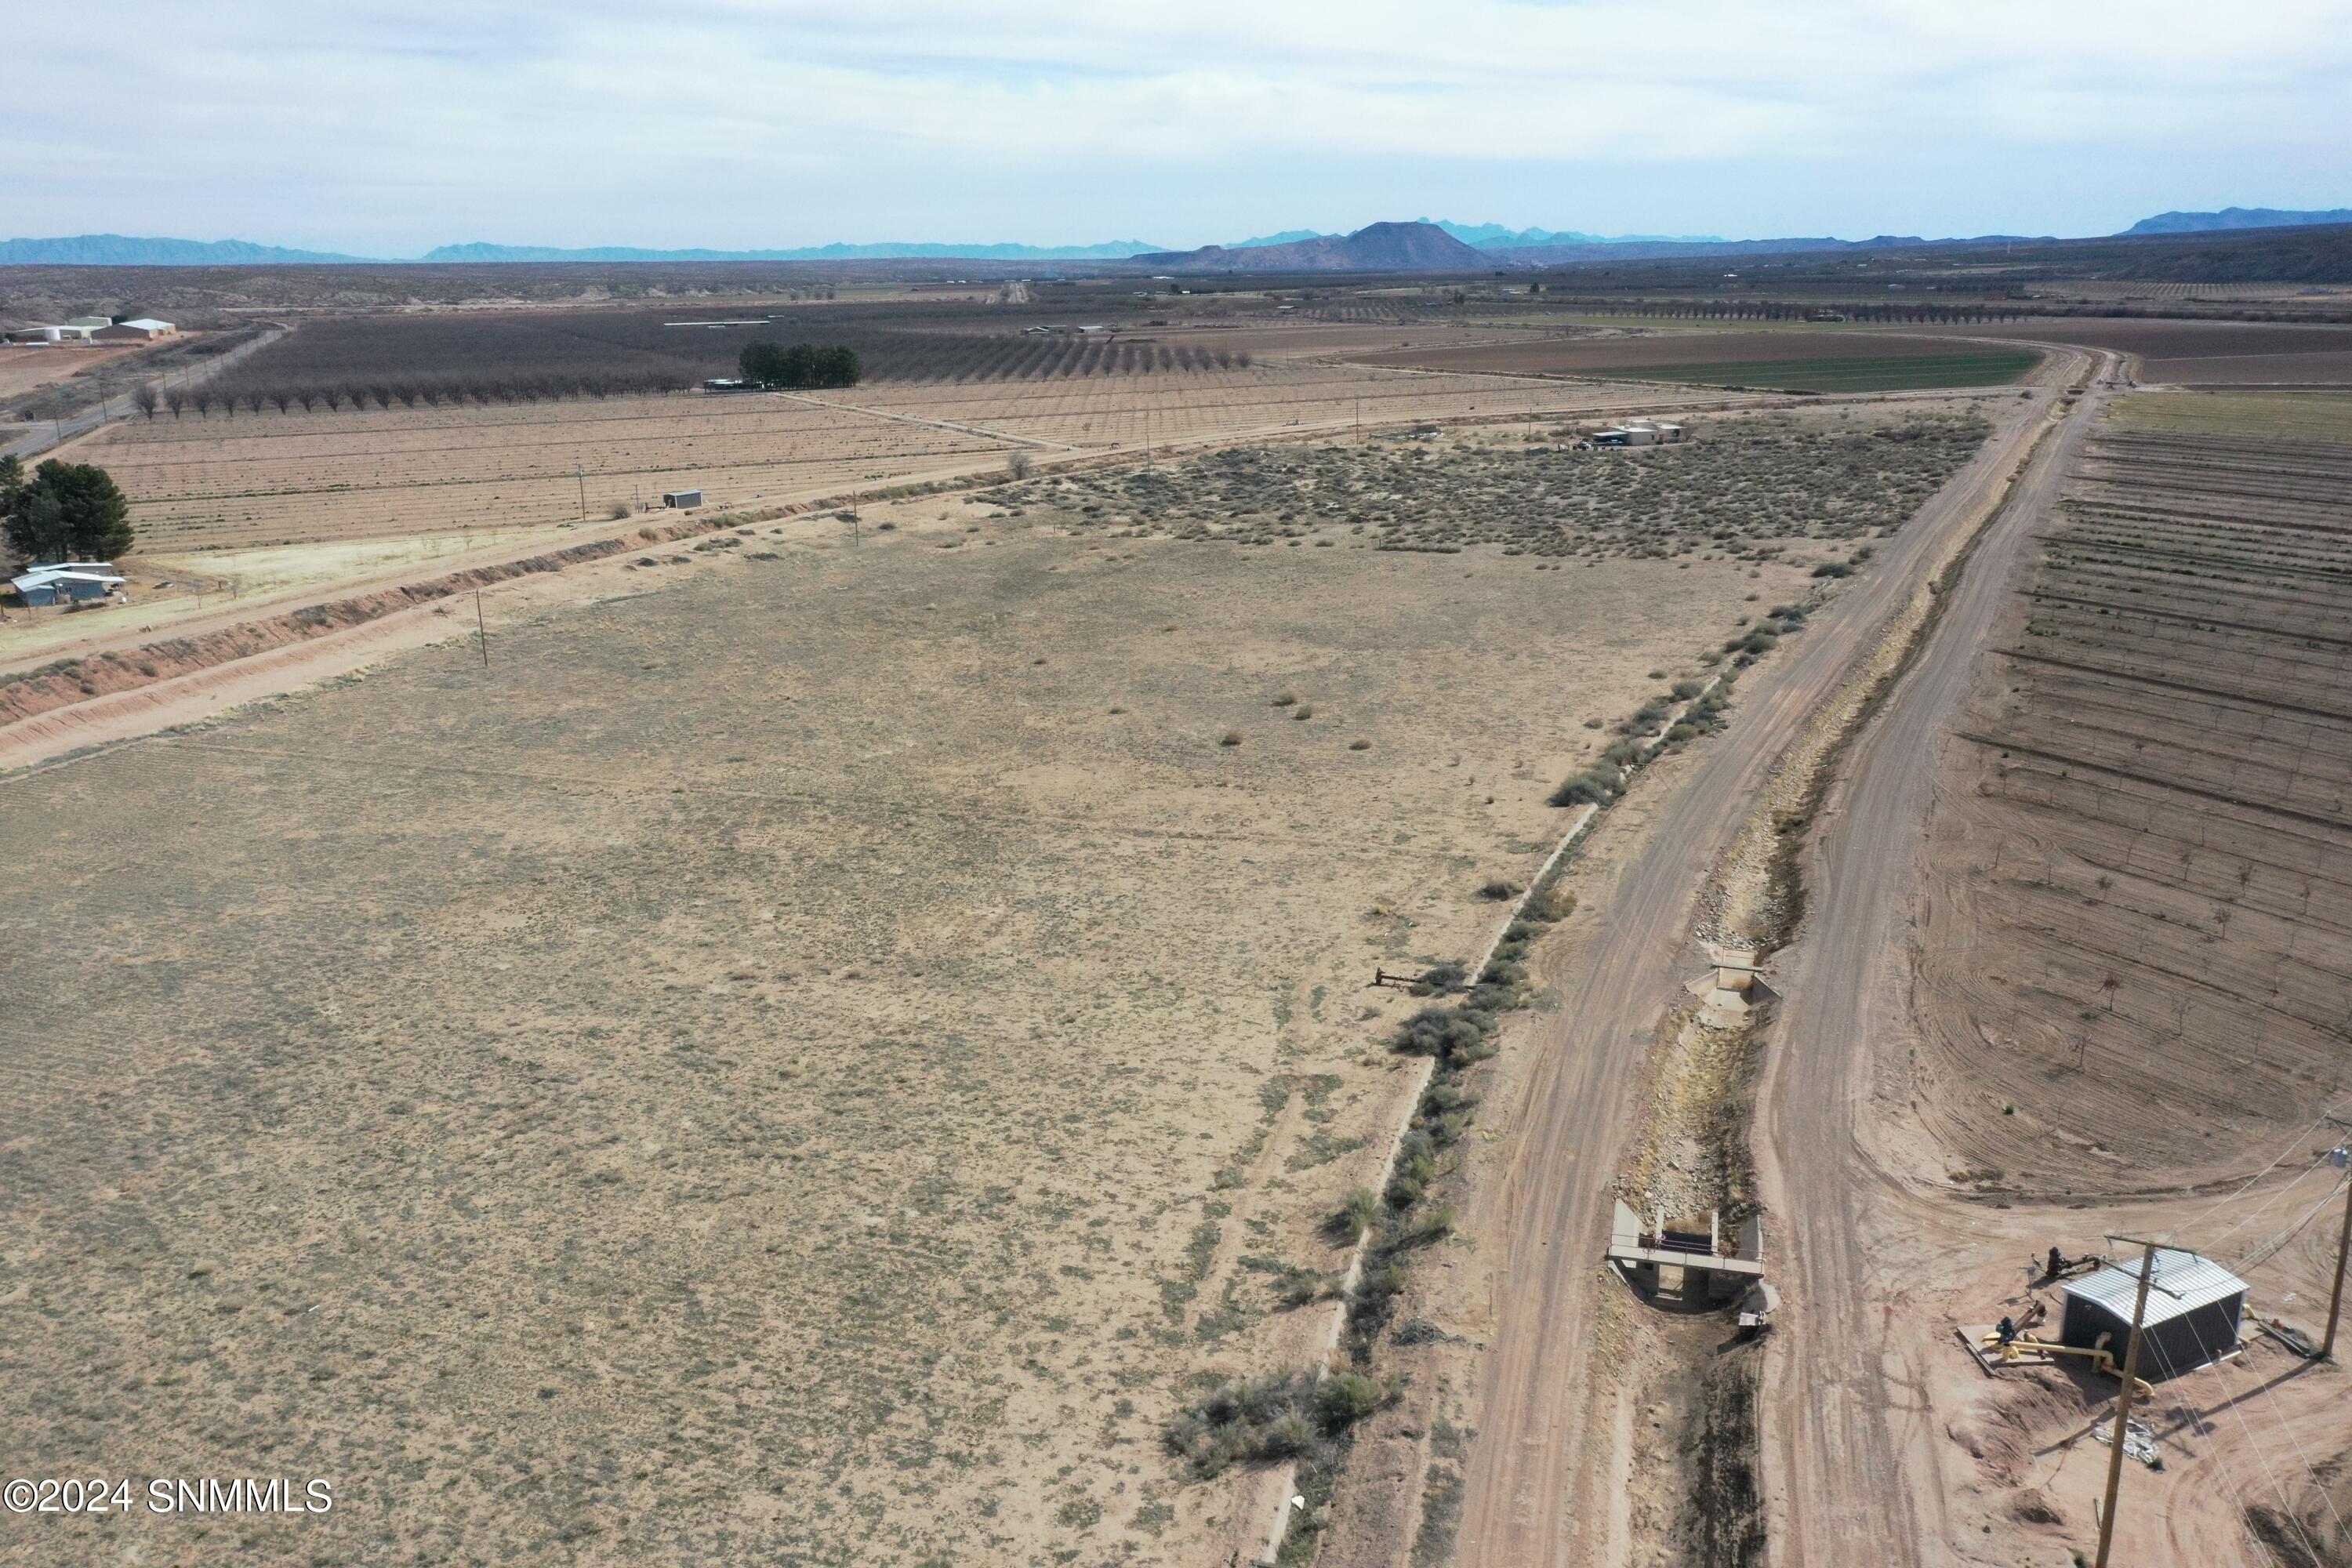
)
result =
(68, 512)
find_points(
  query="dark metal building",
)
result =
(2193, 1309)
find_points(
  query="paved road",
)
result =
(1523, 1509)
(1858, 1470)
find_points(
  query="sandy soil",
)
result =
(1881, 1135)
(1534, 1348)
(809, 1055)
(23, 367)
(166, 590)
(272, 479)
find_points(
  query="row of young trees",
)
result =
(1915, 312)
(903, 356)
(1033, 356)
(483, 388)
(63, 511)
(770, 363)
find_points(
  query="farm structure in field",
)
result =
(2142, 867)
(61, 582)
(681, 498)
(1638, 433)
(273, 477)
(144, 329)
(2194, 1307)
(64, 332)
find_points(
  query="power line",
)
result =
(2265, 1252)
(2221, 1458)
(2306, 1132)
(2286, 1507)
(2266, 1205)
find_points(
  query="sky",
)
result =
(384, 130)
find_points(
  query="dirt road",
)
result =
(57, 432)
(1532, 1497)
(1859, 1470)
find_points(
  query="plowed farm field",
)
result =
(810, 1061)
(2141, 868)
(2204, 353)
(273, 477)
(1792, 360)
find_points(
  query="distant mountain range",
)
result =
(1115, 250)
(2237, 217)
(1375, 247)
(122, 250)
(1424, 244)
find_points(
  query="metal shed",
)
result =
(67, 579)
(137, 330)
(2193, 1309)
(681, 498)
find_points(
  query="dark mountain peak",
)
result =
(1375, 247)
(2239, 217)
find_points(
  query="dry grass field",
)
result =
(811, 1060)
(1819, 360)
(1750, 485)
(2142, 876)
(273, 479)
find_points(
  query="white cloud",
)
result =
(739, 122)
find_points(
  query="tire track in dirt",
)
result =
(1538, 1488)
(1859, 1468)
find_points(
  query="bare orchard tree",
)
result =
(145, 400)
(1017, 466)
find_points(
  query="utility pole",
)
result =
(581, 473)
(2123, 1400)
(482, 630)
(2342, 1246)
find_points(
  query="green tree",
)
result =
(69, 511)
(758, 362)
(837, 366)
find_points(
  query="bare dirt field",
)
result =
(301, 477)
(27, 367)
(2111, 1002)
(2140, 923)
(1816, 359)
(810, 1058)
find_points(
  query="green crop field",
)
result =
(1897, 373)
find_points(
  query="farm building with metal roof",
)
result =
(63, 580)
(2193, 1309)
